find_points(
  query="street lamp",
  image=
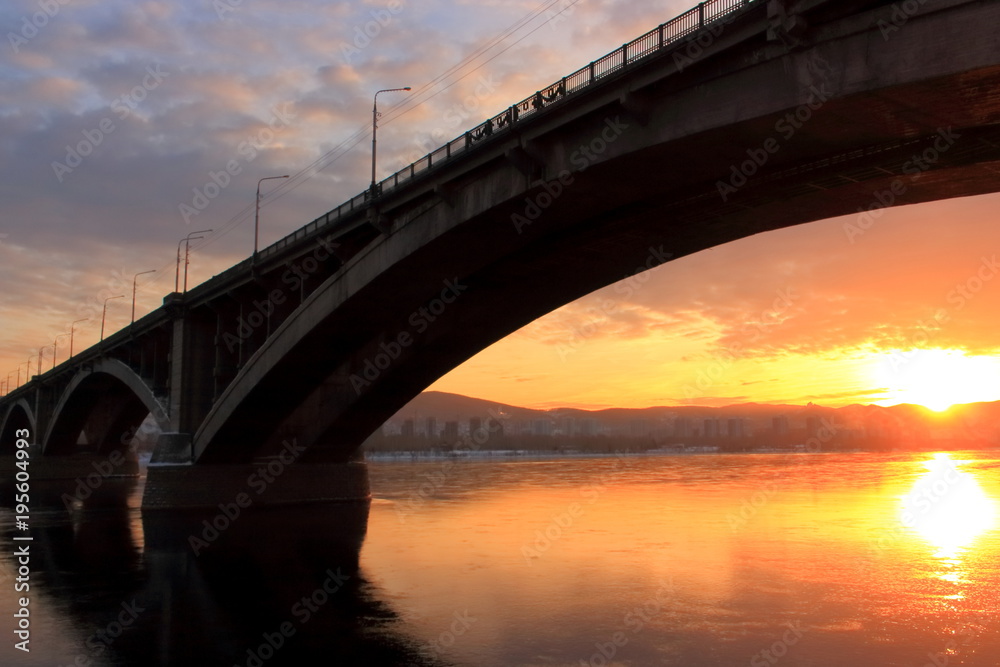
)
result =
(186, 241)
(135, 278)
(40, 357)
(256, 215)
(375, 127)
(55, 348)
(30, 357)
(104, 313)
(72, 330)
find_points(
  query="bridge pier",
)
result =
(261, 484)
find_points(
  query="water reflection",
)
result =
(279, 586)
(948, 508)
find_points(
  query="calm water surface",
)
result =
(801, 560)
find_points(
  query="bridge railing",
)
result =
(666, 35)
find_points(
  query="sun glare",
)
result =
(936, 379)
(947, 507)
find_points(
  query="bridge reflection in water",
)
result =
(276, 586)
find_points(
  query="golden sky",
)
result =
(906, 312)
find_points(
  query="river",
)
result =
(703, 560)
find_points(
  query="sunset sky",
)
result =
(160, 95)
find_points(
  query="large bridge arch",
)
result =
(107, 401)
(631, 180)
(18, 415)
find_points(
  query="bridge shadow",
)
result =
(276, 587)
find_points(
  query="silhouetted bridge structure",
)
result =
(736, 118)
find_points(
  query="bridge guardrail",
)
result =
(663, 36)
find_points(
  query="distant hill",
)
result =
(980, 420)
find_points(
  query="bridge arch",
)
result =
(18, 415)
(107, 403)
(640, 175)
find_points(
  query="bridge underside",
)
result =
(364, 347)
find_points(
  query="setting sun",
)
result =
(936, 379)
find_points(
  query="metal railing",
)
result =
(666, 35)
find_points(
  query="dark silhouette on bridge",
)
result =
(738, 117)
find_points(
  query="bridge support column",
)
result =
(192, 359)
(260, 484)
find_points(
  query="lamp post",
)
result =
(186, 242)
(40, 357)
(375, 128)
(55, 348)
(72, 330)
(104, 313)
(134, 279)
(30, 357)
(256, 215)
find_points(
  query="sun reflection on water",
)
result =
(948, 509)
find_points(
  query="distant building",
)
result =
(408, 430)
(451, 432)
(812, 426)
(683, 428)
(711, 428)
(542, 427)
(779, 425)
(735, 428)
(566, 426)
(475, 423)
(588, 426)
(639, 428)
(431, 427)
